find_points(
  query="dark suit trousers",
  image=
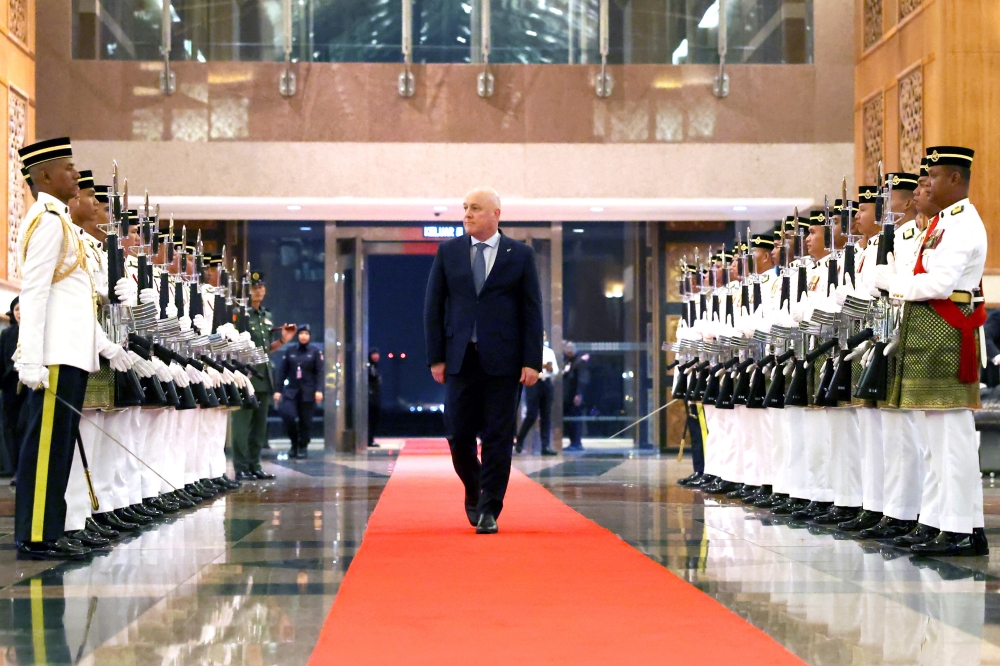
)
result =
(299, 424)
(483, 405)
(46, 455)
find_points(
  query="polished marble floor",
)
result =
(250, 577)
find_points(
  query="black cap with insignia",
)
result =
(902, 181)
(45, 151)
(950, 156)
(256, 277)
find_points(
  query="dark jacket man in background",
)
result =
(374, 395)
(299, 377)
(576, 376)
(991, 332)
(483, 326)
(11, 399)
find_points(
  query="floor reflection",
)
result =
(246, 579)
(828, 599)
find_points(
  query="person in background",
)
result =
(991, 331)
(299, 376)
(576, 376)
(539, 402)
(374, 396)
(11, 399)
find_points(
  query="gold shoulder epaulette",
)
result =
(908, 234)
(956, 210)
(51, 208)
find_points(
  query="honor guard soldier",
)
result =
(59, 344)
(938, 369)
(250, 424)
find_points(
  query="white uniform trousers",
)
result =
(188, 442)
(776, 424)
(713, 461)
(131, 468)
(795, 467)
(217, 453)
(815, 436)
(154, 450)
(208, 436)
(147, 449)
(955, 457)
(173, 451)
(872, 469)
(903, 431)
(108, 464)
(77, 497)
(763, 446)
(738, 445)
(846, 456)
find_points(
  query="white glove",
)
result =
(142, 367)
(126, 289)
(117, 358)
(161, 369)
(180, 377)
(194, 376)
(841, 294)
(147, 295)
(249, 384)
(245, 336)
(214, 376)
(996, 360)
(184, 322)
(882, 276)
(171, 310)
(203, 326)
(33, 375)
(224, 329)
(228, 377)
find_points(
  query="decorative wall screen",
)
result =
(17, 120)
(873, 21)
(17, 19)
(911, 120)
(907, 6)
(872, 123)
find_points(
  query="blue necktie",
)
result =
(478, 276)
(479, 267)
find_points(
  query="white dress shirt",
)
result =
(489, 254)
(548, 356)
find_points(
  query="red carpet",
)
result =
(551, 588)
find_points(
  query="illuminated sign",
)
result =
(443, 232)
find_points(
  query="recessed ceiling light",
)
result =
(596, 209)
(440, 209)
(578, 231)
(305, 228)
(295, 208)
(739, 208)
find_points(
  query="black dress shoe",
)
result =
(979, 541)
(103, 530)
(762, 491)
(811, 510)
(211, 485)
(887, 529)
(738, 492)
(205, 491)
(197, 492)
(919, 534)
(721, 487)
(126, 513)
(790, 506)
(261, 474)
(771, 501)
(946, 544)
(226, 482)
(183, 500)
(837, 515)
(472, 514)
(161, 504)
(517, 446)
(293, 452)
(303, 452)
(487, 524)
(114, 521)
(244, 476)
(863, 521)
(61, 549)
(149, 512)
(89, 539)
(690, 480)
(549, 452)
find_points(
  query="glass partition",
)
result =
(447, 31)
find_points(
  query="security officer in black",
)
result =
(299, 377)
(249, 427)
(374, 395)
(576, 376)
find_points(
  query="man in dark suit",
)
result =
(991, 331)
(483, 325)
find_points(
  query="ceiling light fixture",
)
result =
(578, 231)
(739, 208)
(295, 208)
(596, 209)
(440, 209)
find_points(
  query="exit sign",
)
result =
(443, 232)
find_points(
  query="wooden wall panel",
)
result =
(957, 43)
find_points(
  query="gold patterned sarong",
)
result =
(100, 388)
(925, 372)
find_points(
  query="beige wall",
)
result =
(17, 88)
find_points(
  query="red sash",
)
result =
(968, 363)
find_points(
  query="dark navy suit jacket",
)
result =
(507, 313)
